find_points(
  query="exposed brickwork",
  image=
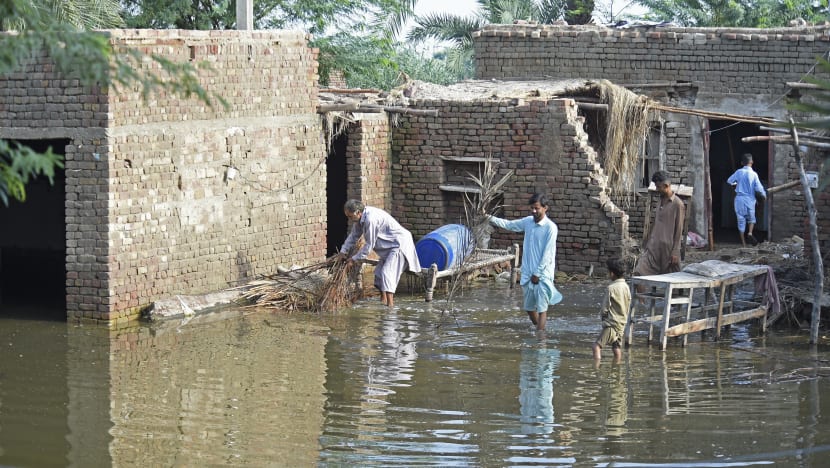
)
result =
(541, 141)
(738, 71)
(149, 211)
(369, 165)
(749, 62)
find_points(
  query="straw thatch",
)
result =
(627, 124)
(323, 287)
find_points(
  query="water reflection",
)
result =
(536, 375)
(416, 385)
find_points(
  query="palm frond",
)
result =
(444, 27)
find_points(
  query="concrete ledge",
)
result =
(184, 306)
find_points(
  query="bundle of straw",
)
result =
(323, 287)
(627, 126)
(477, 208)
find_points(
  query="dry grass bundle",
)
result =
(476, 207)
(323, 287)
(627, 125)
(338, 291)
(485, 202)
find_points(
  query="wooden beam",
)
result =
(783, 139)
(592, 106)
(368, 108)
(800, 85)
(350, 90)
(711, 322)
(343, 107)
(811, 136)
(659, 84)
(785, 186)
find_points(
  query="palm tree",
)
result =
(458, 30)
(80, 14)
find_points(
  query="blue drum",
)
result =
(446, 247)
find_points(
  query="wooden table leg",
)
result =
(514, 265)
(722, 297)
(688, 314)
(666, 317)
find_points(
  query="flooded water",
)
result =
(418, 385)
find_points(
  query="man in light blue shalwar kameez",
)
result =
(538, 258)
(746, 183)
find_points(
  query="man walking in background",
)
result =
(746, 183)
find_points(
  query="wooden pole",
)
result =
(802, 136)
(818, 283)
(785, 139)
(781, 187)
(707, 187)
(592, 106)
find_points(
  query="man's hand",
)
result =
(534, 279)
(675, 260)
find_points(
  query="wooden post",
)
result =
(514, 265)
(817, 261)
(707, 188)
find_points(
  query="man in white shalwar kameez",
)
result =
(538, 258)
(391, 242)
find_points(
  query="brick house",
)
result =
(146, 207)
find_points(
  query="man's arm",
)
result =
(515, 225)
(759, 187)
(354, 235)
(679, 219)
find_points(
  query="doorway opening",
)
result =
(33, 245)
(725, 151)
(336, 189)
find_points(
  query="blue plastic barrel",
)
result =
(446, 247)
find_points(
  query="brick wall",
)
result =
(737, 71)
(369, 168)
(149, 211)
(542, 141)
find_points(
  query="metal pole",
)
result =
(245, 15)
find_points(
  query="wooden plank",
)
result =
(469, 159)
(459, 188)
(711, 322)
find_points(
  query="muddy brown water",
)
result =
(426, 384)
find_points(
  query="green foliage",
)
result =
(372, 62)
(18, 164)
(817, 102)
(735, 13)
(458, 30)
(57, 29)
(579, 11)
(315, 16)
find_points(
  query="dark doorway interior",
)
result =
(725, 150)
(336, 189)
(33, 245)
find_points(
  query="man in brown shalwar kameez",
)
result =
(661, 251)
